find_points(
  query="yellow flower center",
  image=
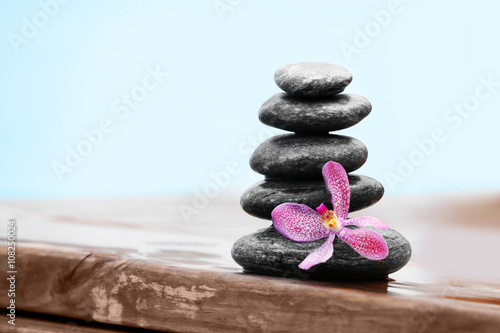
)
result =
(331, 221)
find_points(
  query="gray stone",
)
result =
(312, 79)
(303, 156)
(268, 252)
(260, 199)
(314, 116)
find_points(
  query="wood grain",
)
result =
(110, 289)
(104, 265)
(35, 323)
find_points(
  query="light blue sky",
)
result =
(69, 76)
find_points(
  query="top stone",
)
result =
(312, 79)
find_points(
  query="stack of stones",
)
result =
(311, 107)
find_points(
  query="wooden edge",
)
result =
(41, 323)
(110, 289)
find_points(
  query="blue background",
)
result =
(66, 77)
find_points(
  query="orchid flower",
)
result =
(303, 224)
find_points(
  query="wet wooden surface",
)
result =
(136, 262)
(40, 323)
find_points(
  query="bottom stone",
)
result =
(268, 252)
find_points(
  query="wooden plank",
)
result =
(105, 265)
(110, 289)
(36, 323)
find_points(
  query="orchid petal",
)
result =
(322, 210)
(320, 255)
(299, 223)
(366, 242)
(366, 221)
(338, 185)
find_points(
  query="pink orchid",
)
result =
(303, 224)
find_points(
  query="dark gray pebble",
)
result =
(303, 156)
(314, 116)
(268, 252)
(312, 79)
(260, 199)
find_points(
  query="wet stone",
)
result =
(303, 156)
(268, 252)
(260, 199)
(312, 79)
(314, 116)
